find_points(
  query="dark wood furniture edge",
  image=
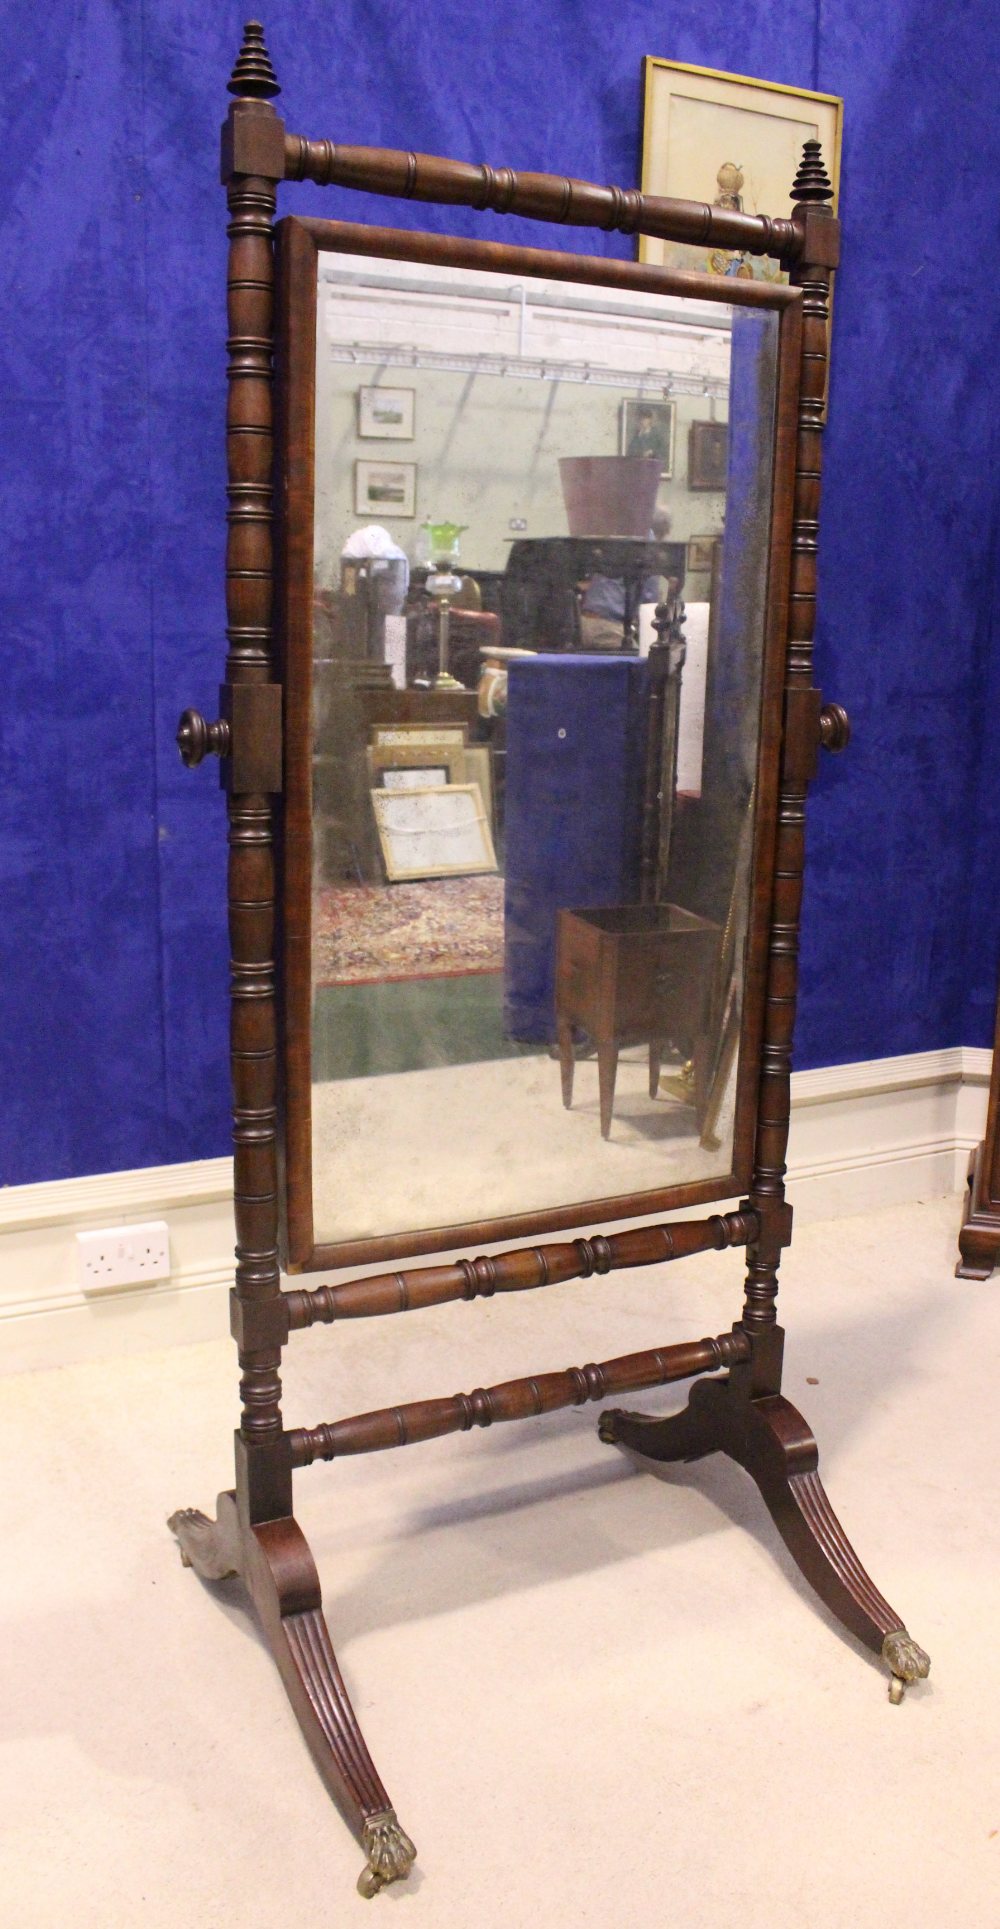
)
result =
(979, 1236)
(417, 244)
(979, 1233)
(296, 284)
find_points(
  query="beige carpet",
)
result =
(460, 1143)
(597, 1696)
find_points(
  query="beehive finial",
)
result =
(253, 76)
(812, 182)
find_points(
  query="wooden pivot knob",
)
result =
(834, 727)
(197, 739)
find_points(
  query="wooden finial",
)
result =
(812, 182)
(253, 76)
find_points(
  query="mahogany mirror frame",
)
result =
(738, 1409)
(299, 246)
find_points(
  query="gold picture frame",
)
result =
(701, 553)
(384, 487)
(690, 112)
(440, 831)
(448, 757)
(425, 736)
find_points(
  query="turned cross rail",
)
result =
(523, 1399)
(541, 197)
(520, 1270)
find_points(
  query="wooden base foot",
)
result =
(979, 1238)
(770, 1439)
(277, 1569)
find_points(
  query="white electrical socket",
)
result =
(117, 1256)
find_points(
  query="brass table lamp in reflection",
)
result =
(444, 584)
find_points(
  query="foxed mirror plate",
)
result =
(528, 932)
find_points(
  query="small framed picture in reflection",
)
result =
(708, 454)
(385, 488)
(647, 428)
(387, 414)
(701, 554)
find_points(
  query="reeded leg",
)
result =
(280, 1576)
(607, 1072)
(567, 1060)
(770, 1439)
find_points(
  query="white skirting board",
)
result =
(884, 1132)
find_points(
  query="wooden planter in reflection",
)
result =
(631, 974)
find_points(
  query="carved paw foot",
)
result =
(607, 1426)
(202, 1544)
(389, 1850)
(907, 1661)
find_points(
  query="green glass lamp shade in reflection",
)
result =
(442, 540)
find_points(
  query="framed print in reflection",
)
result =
(386, 414)
(385, 488)
(647, 428)
(437, 832)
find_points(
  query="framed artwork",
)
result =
(701, 554)
(431, 736)
(647, 428)
(387, 413)
(438, 832)
(479, 770)
(420, 777)
(708, 454)
(733, 142)
(385, 488)
(447, 758)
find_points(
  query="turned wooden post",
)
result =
(804, 731)
(252, 164)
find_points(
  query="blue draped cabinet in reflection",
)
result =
(575, 759)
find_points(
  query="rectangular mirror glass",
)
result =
(542, 518)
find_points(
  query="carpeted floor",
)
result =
(408, 1025)
(376, 934)
(598, 1695)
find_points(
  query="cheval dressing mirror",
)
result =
(517, 730)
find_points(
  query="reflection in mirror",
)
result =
(542, 513)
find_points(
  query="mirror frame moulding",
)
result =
(299, 245)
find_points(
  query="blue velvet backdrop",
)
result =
(114, 1023)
